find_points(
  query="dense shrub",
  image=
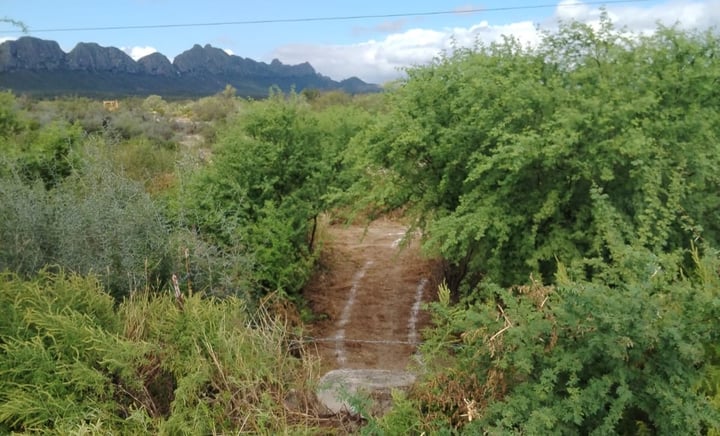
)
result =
(217, 108)
(590, 162)
(84, 112)
(97, 221)
(264, 189)
(70, 362)
(212, 269)
(501, 152)
(45, 152)
(144, 161)
(49, 154)
(28, 236)
(578, 358)
(11, 121)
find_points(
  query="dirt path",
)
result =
(370, 291)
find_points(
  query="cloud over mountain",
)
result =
(139, 52)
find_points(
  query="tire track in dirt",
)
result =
(345, 316)
(370, 289)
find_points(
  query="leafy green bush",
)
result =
(589, 161)
(218, 108)
(49, 154)
(11, 122)
(500, 152)
(264, 190)
(37, 151)
(61, 359)
(340, 125)
(580, 358)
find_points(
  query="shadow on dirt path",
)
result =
(370, 290)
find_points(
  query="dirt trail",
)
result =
(370, 290)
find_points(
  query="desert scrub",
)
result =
(95, 221)
(71, 360)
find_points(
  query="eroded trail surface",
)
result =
(370, 291)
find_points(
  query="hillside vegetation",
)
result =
(155, 255)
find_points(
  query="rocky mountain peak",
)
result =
(35, 65)
(31, 53)
(89, 56)
(157, 64)
(206, 59)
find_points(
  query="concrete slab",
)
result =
(337, 385)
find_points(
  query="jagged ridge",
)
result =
(37, 66)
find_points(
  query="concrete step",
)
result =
(338, 385)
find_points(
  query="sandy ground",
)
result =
(368, 294)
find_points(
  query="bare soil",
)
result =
(368, 294)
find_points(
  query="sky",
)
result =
(329, 34)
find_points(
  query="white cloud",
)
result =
(381, 60)
(139, 52)
(228, 51)
(7, 38)
(687, 14)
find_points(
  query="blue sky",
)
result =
(374, 49)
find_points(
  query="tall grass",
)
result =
(73, 362)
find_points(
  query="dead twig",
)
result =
(179, 299)
(508, 324)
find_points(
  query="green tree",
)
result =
(264, 189)
(500, 153)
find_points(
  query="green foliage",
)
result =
(132, 121)
(11, 121)
(97, 221)
(70, 360)
(211, 269)
(26, 233)
(144, 161)
(87, 113)
(340, 123)
(49, 154)
(265, 189)
(590, 161)
(60, 355)
(218, 108)
(502, 152)
(37, 152)
(582, 358)
(111, 227)
(405, 418)
(156, 105)
(324, 99)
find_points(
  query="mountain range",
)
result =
(40, 67)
